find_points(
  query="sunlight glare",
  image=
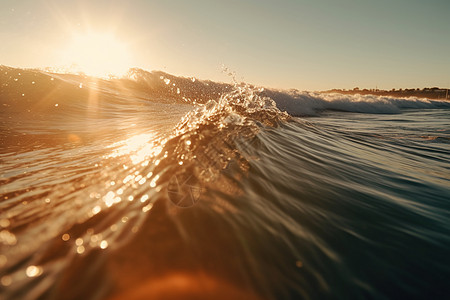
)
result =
(139, 148)
(97, 54)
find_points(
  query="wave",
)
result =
(312, 104)
(130, 180)
(43, 90)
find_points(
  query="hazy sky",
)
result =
(303, 44)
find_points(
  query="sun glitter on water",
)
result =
(97, 54)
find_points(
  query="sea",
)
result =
(165, 187)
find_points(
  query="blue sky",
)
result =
(303, 44)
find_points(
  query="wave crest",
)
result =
(35, 86)
(311, 104)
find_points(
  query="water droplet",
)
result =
(80, 249)
(109, 198)
(96, 209)
(79, 241)
(65, 237)
(147, 207)
(144, 198)
(153, 182)
(6, 280)
(33, 271)
(103, 244)
(95, 238)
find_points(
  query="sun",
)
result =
(97, 54)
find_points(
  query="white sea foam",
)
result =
(309, 103)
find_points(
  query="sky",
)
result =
(301, 44)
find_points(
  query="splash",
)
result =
(107, 184)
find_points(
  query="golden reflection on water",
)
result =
(139, 148)
(134, 152)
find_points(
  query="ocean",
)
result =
(153, 185)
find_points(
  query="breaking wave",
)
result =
(131, 184)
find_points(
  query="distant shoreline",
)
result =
(430, 93)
